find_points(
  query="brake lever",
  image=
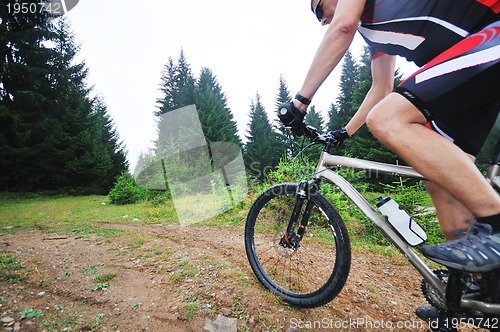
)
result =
(311, 132)
(325, 139)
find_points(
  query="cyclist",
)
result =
(456, 94)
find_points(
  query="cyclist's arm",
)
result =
(335, 43)
(382, 84)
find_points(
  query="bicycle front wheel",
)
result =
(311, 274)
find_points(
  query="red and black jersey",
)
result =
(419, 30)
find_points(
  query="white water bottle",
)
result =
(401, 221)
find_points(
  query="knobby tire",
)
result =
(314, 273)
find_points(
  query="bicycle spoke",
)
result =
(295, 269)
(292, 270)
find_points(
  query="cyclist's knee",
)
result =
(377, 122)
(391, 115)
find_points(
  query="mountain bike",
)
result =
(292, 227)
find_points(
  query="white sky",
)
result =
(246, 44)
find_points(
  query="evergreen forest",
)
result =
(54, 137)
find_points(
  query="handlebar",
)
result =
(327, 140)
(310, 132)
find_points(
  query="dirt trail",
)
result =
(172, 278)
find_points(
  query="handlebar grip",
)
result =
(309, 131)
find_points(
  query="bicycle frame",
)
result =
(327, 159)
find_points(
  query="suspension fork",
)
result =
(304, 190)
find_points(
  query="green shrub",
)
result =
(126, 191)
(157, 197)
(292, 170)
(409, 194)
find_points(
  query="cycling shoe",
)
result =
(478, 251)
(432, 316)
(427, 313)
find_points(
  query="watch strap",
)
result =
(302, 99)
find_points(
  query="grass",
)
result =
(104, 277)
(30, 313)
(74, 215)
(100, 286)
(101, 282)
(185, 269)
(86, 215)
(68, 320)
(191, 309)
(92, 215)
(91, 269)
(11, 269)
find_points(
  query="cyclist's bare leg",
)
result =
(401, 127)
(452, 215)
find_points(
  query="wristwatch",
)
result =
(302, 99)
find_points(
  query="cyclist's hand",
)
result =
(292, 117)
(340, 136)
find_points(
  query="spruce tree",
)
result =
(284, 95)
(313, 118)
(342, 111)
(344, 102)
(177, 85)
(24, 83)
(216, 118)
(50, 137)
(110, 141)
(363, 144)
(186, 82)
(168, 88)
(183, 151)
(287, 139)
(334, 120)
(262, 148)
(180, 88)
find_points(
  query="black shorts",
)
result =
(459, 91)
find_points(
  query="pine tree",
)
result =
(109, 139)
(178, 85)
(288, 141)
(262, 148)
(52, 133)
(344, 102)
(183, 151)
(363, 144)
(334, 121)
(216, 118)
(313, 118)
(25, 64)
